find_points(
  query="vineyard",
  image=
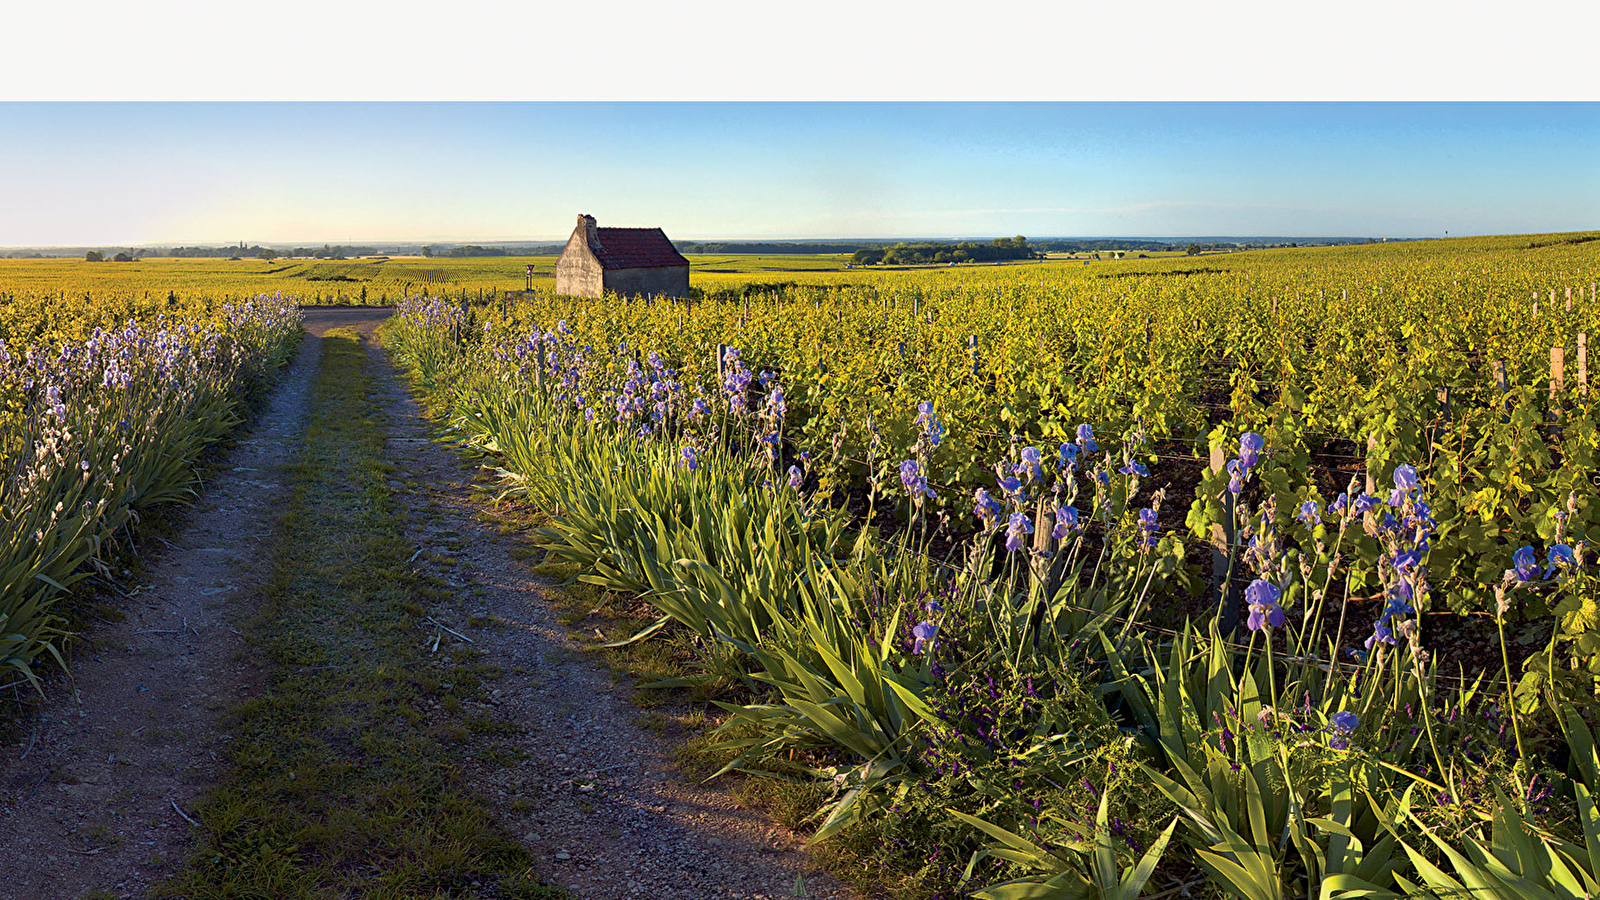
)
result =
(1300, 538)
(1259, 575)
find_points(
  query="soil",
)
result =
(95, 795)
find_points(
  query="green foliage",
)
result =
(1292, 769)
(94, 432)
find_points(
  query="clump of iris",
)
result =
(915, 482)
(1403, 534)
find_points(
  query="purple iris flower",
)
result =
(1134, 468)
(776, 407)
(796, 478)
(1086, 439)
(1561, 556)
(1030, 463)
(691, 459)
(1399, 602)
(1069, 456)
(1406, 560)
(1423, 511)
(1262, 596)
(1405, 478)
(1364, 503)
(1381, 635)
(1016, 527)
(916, 484)
(984, 506)
(1147, 528)
(1526, 564)
(1397, 498)
(1250, 447)
(1066, 520)
(1011, 485)
(1342, 723)
(1308, 512)
(1236, 475)
(924, 632)
(932, 431)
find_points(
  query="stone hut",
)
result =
(628, 261)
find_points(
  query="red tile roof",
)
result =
(636, 248)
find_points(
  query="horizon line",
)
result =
(1166, 238)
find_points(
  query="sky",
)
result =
(131, 173)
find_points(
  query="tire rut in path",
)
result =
(611, 816)
(96, 795)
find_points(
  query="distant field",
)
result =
(387, 280)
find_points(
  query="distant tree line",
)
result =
(773, 248)
(467, 250)
(1092, 246)
(932, 252)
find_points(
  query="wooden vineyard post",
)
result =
(1500, 385)
(1569, 299)
(538, 367)
(1221, 541)
(972, 348)
(1558, 381)
(722, 353)
(916, 307)
(1043, 526)
(1583, 363)
(1444, 402)
(1372, 445)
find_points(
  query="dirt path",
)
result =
(611, 816)
(94, 798)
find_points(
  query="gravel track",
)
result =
(612, 817)
(96, 796)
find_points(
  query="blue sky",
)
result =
(136, 173)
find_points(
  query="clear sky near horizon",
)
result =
(140, 173)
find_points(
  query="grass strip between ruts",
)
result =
(344, 780)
